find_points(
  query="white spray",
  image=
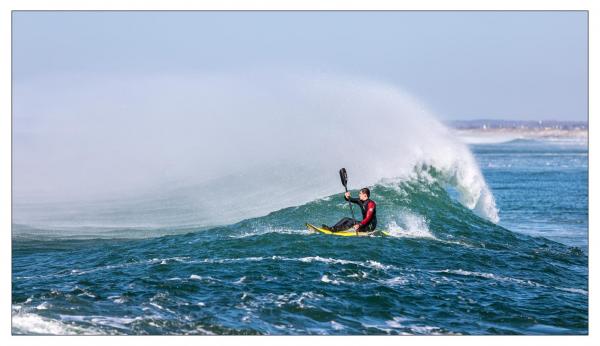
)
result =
(212, 149)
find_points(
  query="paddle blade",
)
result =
(344, 177)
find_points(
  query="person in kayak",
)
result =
(369, 214)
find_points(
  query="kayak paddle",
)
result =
(344, 178)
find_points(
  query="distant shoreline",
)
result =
(496, 131)
(502, 134)
(531, 125)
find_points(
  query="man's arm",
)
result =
(347, 197)
(369, 216)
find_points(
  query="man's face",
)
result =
(362, 196)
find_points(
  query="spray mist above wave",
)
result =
(212, 149)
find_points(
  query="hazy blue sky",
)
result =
(464, 65)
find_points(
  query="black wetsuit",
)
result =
(368, 209)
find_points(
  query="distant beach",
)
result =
(495, 131)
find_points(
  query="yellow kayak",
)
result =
(347, 233)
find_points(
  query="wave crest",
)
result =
(283, 147)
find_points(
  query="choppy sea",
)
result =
(444, 270)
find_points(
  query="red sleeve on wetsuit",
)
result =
(369, 216)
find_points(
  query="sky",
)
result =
(463, 65)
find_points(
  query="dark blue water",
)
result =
(541, 187)
(444, 270)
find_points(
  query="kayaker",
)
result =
(369, 214)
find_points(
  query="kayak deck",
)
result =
(346, 233)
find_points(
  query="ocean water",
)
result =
(447, 268)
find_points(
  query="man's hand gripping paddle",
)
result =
(344, 178)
